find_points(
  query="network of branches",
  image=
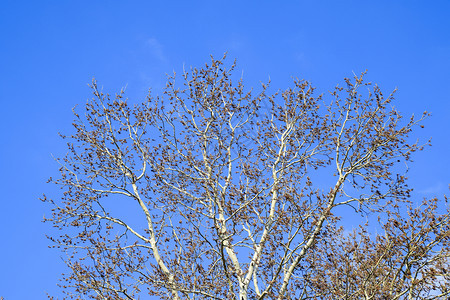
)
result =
(214, 191)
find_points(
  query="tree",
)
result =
(242, 196)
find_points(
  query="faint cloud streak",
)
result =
(437, 188)
(156, 49)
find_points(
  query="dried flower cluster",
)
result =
(214, 192)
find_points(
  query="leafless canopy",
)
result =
(213, 191)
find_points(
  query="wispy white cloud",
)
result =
(235, 44)
(156, 48)
(437, 188)
(302, 59)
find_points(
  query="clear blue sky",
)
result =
(50, 50)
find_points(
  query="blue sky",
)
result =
(50, 50)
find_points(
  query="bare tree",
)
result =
(215, 192)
